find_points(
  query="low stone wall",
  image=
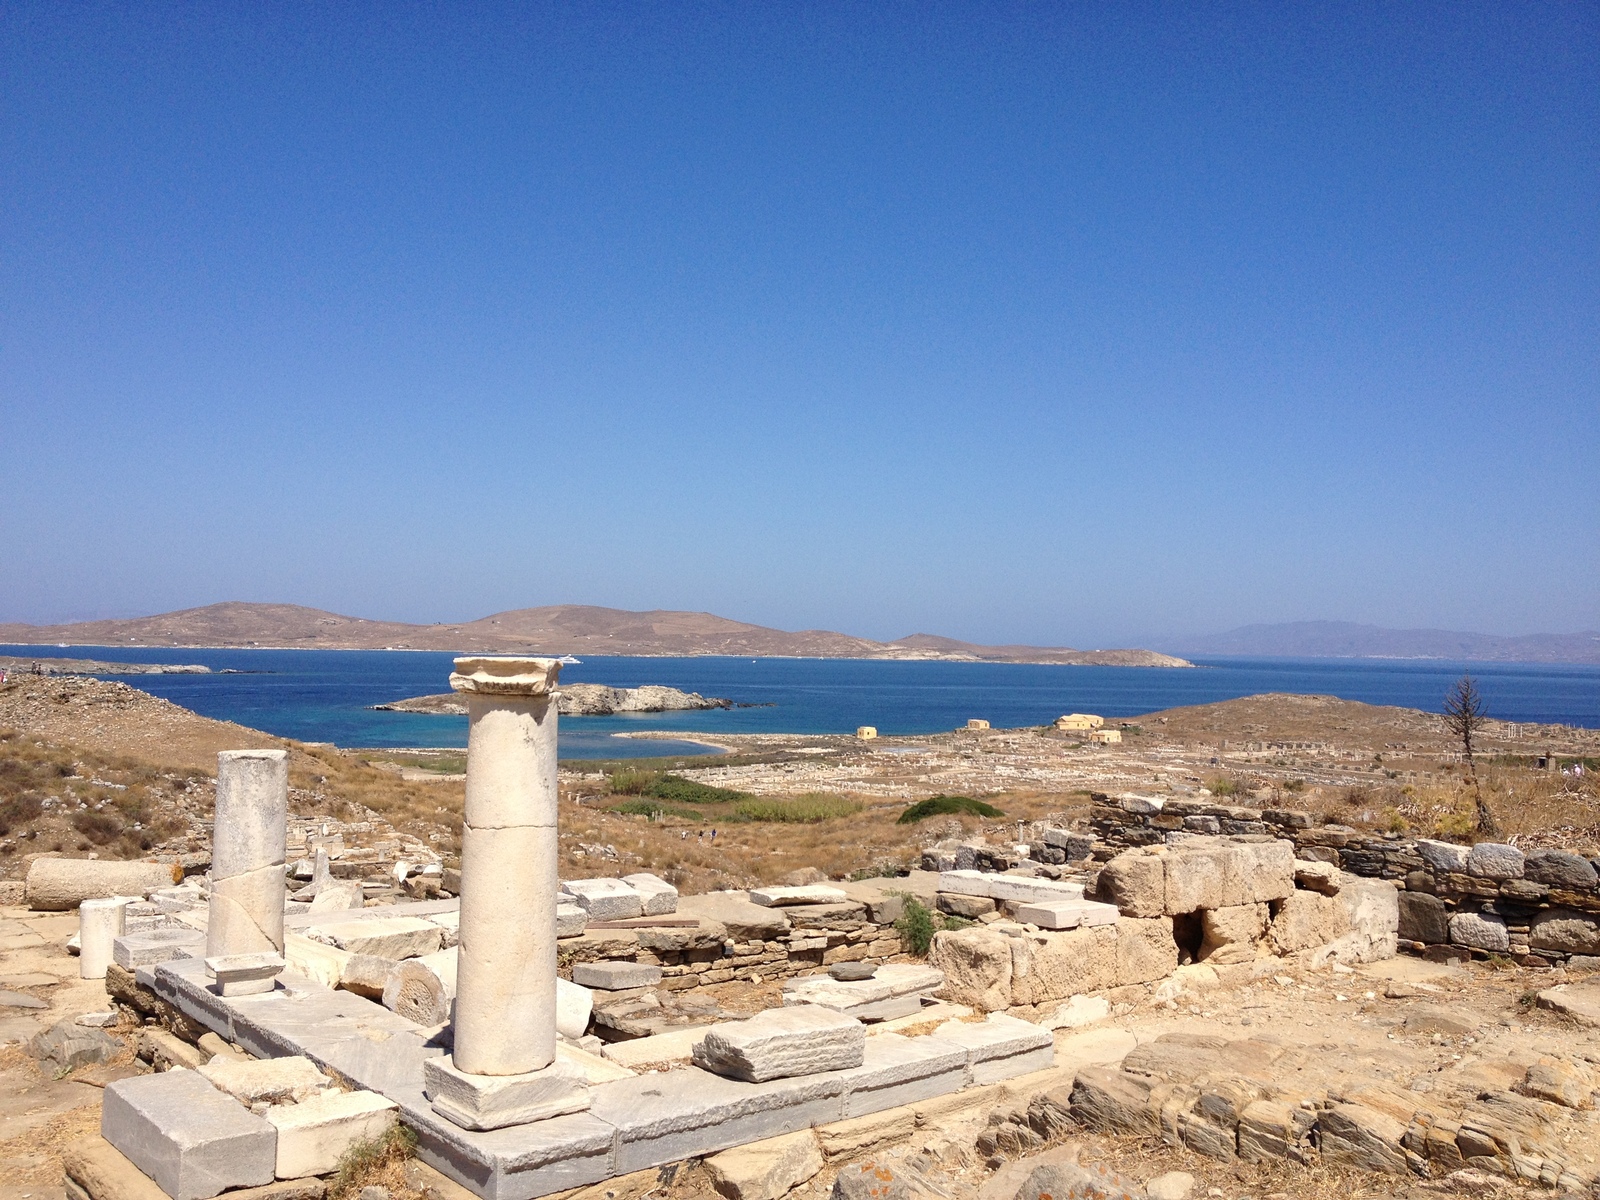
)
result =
(738, 940)
(1539, 908)
(1216, 900)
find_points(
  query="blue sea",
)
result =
(325, 695)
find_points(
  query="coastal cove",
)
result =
(326, 695)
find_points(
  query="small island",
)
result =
(578, 700)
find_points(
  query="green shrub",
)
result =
(938, 806)
(802, 810)
(687, 791)
(628, 782)
(916, 926)
(918, 923)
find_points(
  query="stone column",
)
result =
(100, 923)
(503, 1070)
(248, 843)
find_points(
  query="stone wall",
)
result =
(1539, 908)
(736, 939)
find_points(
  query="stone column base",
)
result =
(245, 974)
(495, 1101)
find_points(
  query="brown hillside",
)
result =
(555, 629)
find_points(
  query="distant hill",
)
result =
(558, 629)
(1345, 639)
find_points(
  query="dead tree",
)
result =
(1464, 716)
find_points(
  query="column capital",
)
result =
(506, 676)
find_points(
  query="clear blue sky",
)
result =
(1081, 325)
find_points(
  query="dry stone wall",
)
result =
(1539, 908)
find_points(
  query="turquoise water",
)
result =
(324, 695)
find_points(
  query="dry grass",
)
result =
(751, 853)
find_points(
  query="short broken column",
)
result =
(100, 924)
(503, 1069)
(248, 844)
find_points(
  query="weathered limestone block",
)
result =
(314, 1134)
(1495, 860)
(977, 967)
(339, 896)
(1561, 869)
(615, 976)
(1146, 951)
(1444, 857)
(970, 907)
(382, 937)
(571, 920)
(1373, 906)
(605, 899)
(265, 1080)
(743, 920)
(1229, 935)
(193, 1140)
(1481, 931)
(781, 1043)
(147, 947)
(1317, 877)
(658, 896)
(1053, 966)
(1423, 918)
(785, 897)
(1307, 920)
(1565, 932)
(765, 1170)
(1269, 870)
(1207, 874)
(1136, 882)
(59, 884)
(365, 974)
(164, 1051)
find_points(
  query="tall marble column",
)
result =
(503, 1070)
(248, 843)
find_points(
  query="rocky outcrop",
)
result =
(578, 700)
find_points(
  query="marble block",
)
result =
(495, 1101)
(147, 947)
(384, 937)
(193, 1140)
(571, 920)
(659, 896)
(245, 974)
(1066, 914)
(616, 976)
(784, 897)
(316, 1133)
(606, 899)
(781, 1043)
(1000, 1047)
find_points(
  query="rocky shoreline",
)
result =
(578, 700)
(13, 665)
